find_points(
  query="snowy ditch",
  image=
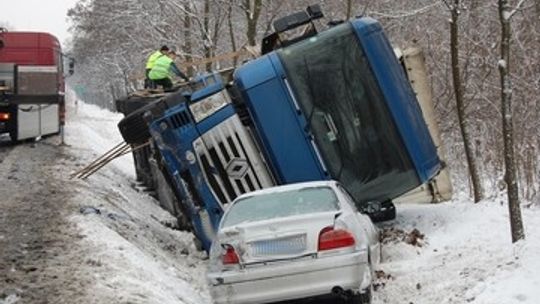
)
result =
(455, 252)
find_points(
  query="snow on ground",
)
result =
(92, 131)
(136, 257)
(466, 256)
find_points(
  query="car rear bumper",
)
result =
(291, 280)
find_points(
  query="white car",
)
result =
(292, 242)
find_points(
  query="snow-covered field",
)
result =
(460, 253)
(466, 256)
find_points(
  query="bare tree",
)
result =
(348, 14)
(252, 9)
(188, 48)
(516, 224)
(455, 7)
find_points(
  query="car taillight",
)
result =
(229, 256)
(331, 238)
(4, 116)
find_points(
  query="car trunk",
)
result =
(277, 239)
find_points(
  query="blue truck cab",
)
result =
(338, 105)
(335, 105)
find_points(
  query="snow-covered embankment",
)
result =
(135, 257)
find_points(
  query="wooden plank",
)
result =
(148, 94)
(226, 56)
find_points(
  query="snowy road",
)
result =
(35, 237)
(119, 250)
(5, 147)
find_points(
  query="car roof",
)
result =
(289, 187)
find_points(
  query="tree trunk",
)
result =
(206, 34)
(349, 9)
(516, 223)
(231, 33)
(459, 93)
(188, 48)
(253, 12)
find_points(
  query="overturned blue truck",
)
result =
(334, 104)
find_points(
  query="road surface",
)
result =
(37, 242)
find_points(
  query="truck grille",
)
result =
(230, 160)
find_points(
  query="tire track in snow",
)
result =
(36, 240)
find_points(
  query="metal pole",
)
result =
(62, 142)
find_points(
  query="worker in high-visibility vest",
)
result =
(160, 73)
(150, 64)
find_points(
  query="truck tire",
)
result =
(134, 127)
(143, 171)
(130, 104)
(13, 137)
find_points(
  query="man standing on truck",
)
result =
(164, 65)
(151, 62)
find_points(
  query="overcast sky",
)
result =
(37, 15)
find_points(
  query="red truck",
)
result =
(31, 85)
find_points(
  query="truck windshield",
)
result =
(351, 125)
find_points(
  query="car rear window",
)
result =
(281, 204)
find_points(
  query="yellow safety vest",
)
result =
(152, 59)
(161, 69)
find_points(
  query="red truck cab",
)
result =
(31, 84)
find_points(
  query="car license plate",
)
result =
(283, 246)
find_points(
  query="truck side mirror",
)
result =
(71, 66)
(372, 207)
(315, 11)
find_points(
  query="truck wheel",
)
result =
(131, 104)
(198, 244)
(184, 224)
(134, 127)
(13, 137)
